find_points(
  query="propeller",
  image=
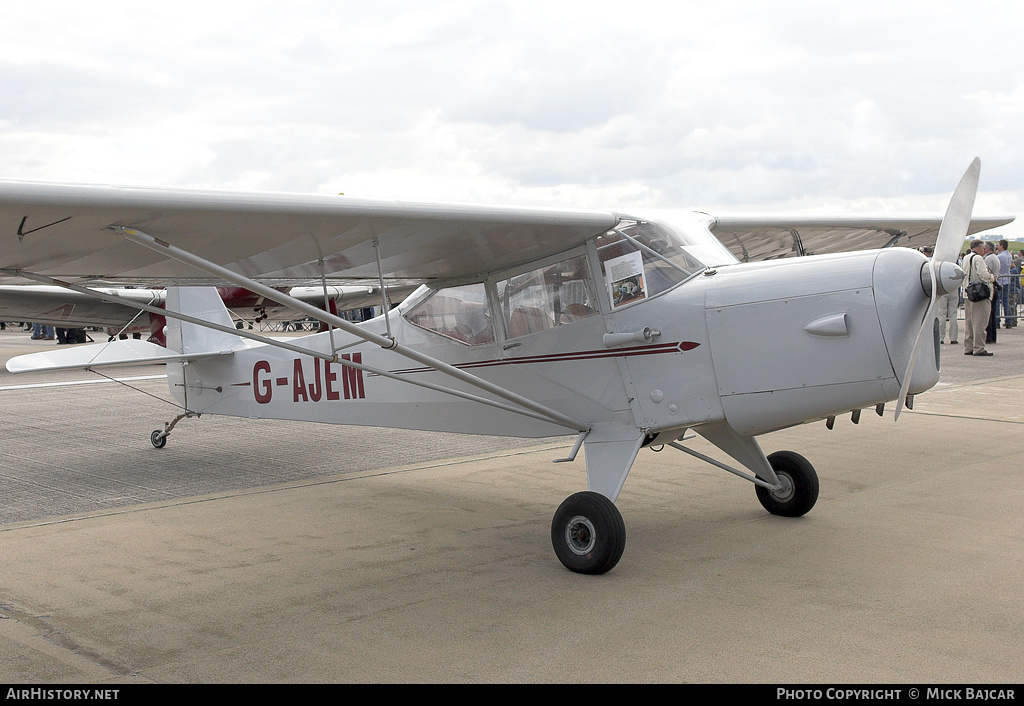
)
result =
(950, 240)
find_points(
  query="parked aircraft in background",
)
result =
(57, 306)
(624, 329)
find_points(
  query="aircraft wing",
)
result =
(57, 306)
(768, 237)
(65, 232)
(70, 232)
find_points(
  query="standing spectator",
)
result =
(947, 304)
(976, 313)
(41, 332)
(1005, 261)
(948, 309)
(992, 261)
(1015, 269)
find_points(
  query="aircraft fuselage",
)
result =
(762, 346)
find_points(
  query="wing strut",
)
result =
(383, 289)
(384, 342)
(323, 283)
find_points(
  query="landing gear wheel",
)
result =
(588, 533)
(158, 438)
(799, 489)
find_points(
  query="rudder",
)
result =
(202, 303)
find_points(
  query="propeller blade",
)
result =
(957, 220)
(948, 244)
(905, 387)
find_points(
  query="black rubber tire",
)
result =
(158, 441)
(588, 533)
(801, 491)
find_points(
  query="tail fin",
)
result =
(202, 303)
(185, 342)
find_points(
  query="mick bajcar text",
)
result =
(928, 693)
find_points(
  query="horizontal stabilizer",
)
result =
(121, 352)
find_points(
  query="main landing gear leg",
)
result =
(587, 532)
(159, 437)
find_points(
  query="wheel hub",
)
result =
(785, 493)
(580, 535)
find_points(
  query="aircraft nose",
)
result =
(902, 286)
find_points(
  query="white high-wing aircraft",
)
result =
(623, 329)
(58, 306)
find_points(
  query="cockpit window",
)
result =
(458, 313)
(547, 297)
(641, 259)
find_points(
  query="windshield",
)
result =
(641, 259)
(690, 230)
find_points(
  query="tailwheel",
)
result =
(799, 489)
(159, 437)
(588, 533)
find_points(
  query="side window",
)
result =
(458, 313)
(547, 297)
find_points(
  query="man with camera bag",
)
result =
(977, 301)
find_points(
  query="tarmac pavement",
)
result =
(267, 552)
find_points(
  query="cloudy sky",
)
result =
(727, 106)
